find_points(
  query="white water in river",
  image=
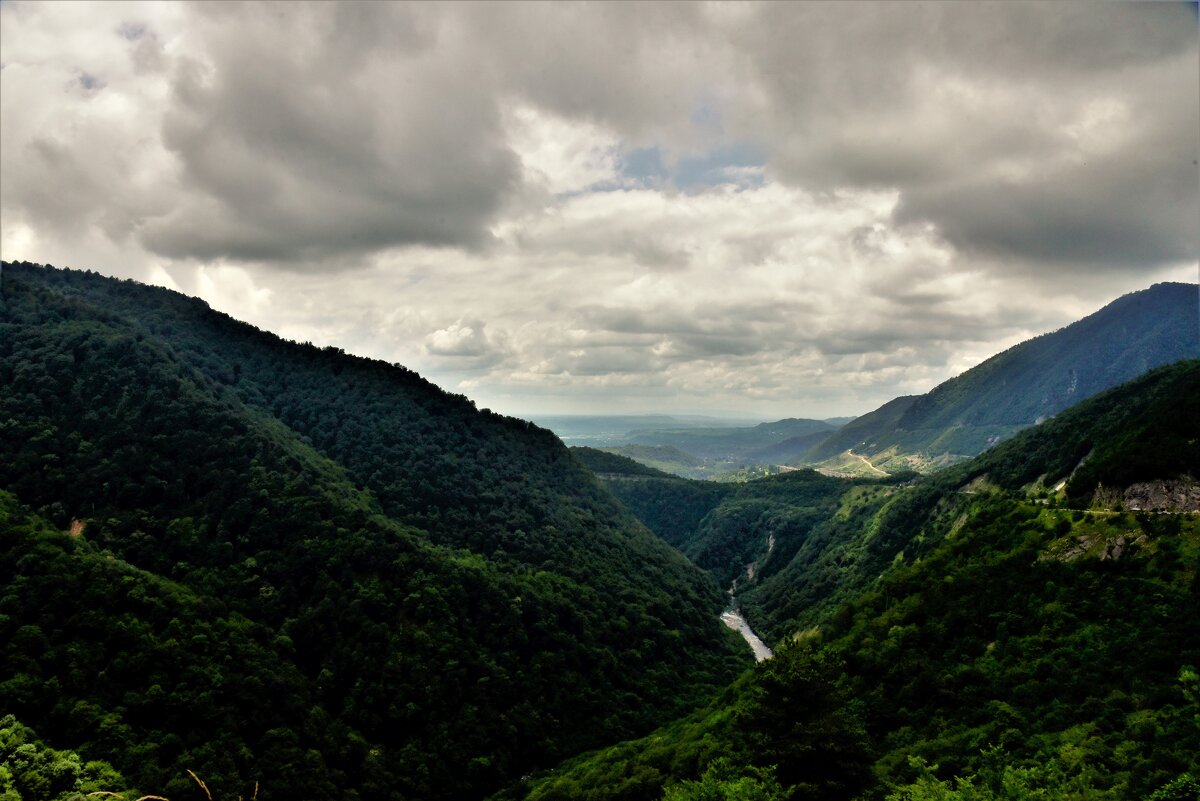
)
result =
(735, 621)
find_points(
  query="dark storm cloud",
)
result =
(318, 134)
(1069, 222)
(1133, 202)
(309, 131)
(985, 118)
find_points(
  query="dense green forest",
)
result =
(833, 537)
(725, 528)
(1001, 630)
(272, 563)
(261, 560)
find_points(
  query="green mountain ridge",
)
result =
(1031, 381)
(269, 562)
(337, 579)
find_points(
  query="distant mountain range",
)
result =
(730, 443)
(1029, 382)
(696, 447)
(603, 430)
(965, 415)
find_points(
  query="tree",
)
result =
(801, 717)
(726, 781)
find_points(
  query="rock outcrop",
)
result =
(1178, 495)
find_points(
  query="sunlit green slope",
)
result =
(1031, 381)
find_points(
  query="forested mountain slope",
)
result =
(1031, 381)
(1005, 621)
(1145, 430)
(745, 532)
(322, 572)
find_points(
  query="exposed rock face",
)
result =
(1113, 550)
(1105, 549)
(1179, 495)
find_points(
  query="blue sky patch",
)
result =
(737, 163)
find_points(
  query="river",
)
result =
(735, 621)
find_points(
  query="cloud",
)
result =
(464, 345)
(305, 145)
(1059, 135)
(462, 338)
(1121, 192)
(756, 208)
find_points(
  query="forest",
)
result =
(260, 560)
(292, 573)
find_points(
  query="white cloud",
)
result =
(562, 155)
(232, 290)
(771, 209)
(463, 339)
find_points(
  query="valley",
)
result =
(348, 562)
(559, 401)
(963, 604)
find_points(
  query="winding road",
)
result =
(868, 463)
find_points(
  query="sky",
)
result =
(747, 210)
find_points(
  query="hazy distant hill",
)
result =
(263, 560)
(1031, 381)
(608, 430)
(790, 450)
(730, 443)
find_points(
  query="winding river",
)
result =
(735, 621)
(733, 618)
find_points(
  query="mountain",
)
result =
(1006, 628)
(790, 450)
(672, 460)
(1139, 435)
(266, 561)
(1029, 382)
(743, 532)
(722, 453)
(663, 457)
